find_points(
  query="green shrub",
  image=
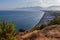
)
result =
(21, 30)
(7, 31)
(40, 27)
(43, 26)
(36, 28)
(55, 21)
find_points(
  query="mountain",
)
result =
(55, 8)
(30, 8)
(38, 8)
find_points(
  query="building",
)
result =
(48, 16)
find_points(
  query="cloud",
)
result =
(28, 3)
(42, 3)
(46, 3)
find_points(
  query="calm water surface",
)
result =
(22, 19)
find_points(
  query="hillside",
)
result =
(37, 8)
(53, 8)
(49, 33)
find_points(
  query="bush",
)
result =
(7, 31)
(21, 30)
(36, 28)
(43, 26)
(40, 27)
(55, 21)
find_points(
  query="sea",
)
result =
(22, 19)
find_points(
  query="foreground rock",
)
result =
(49, 33)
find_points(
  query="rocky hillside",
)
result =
(48, 33)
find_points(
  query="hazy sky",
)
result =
(11, 4)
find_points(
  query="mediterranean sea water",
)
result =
(22, 19)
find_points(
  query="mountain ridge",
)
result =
(30, 8)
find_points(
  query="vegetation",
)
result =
(21, 30)
(55, 21)
(36, 28)
(43, 26)
(7, 31)
(40, 27)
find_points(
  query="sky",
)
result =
(12, 4)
